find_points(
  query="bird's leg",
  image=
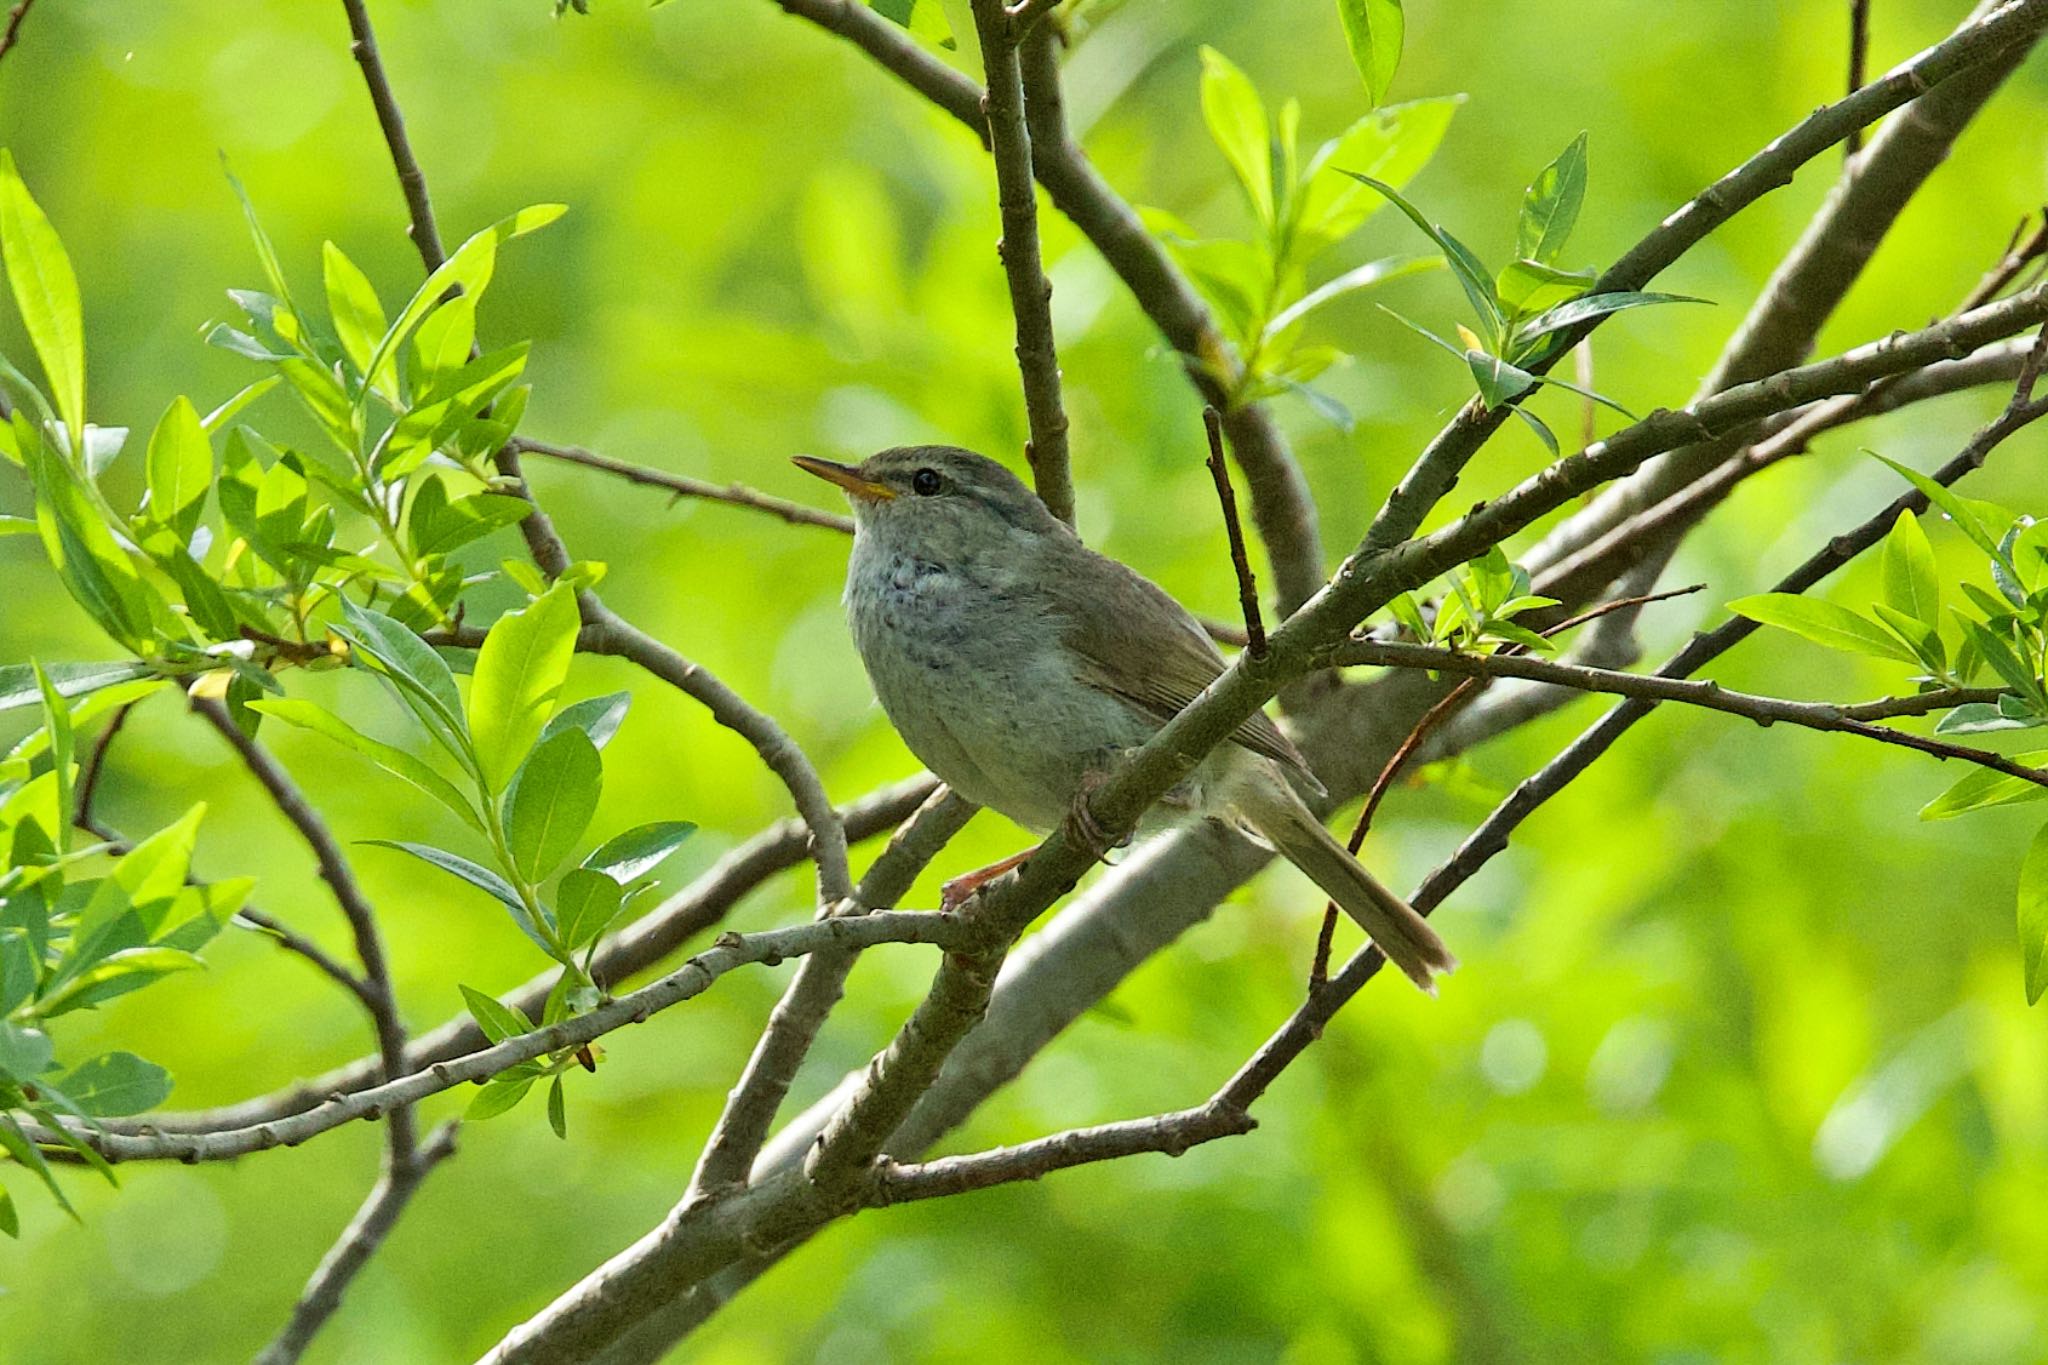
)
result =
(954, 893)
(1081, 826)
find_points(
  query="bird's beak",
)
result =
(846, 476)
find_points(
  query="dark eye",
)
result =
(926, 482)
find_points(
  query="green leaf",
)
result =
(116, 1084)
(598, 717)
(497, 1019)
(519, 672)
(1499, 382)
(1528, 287)
(117, 974)
(443, 342)
(1464, 264)
(1373, 31)
(480, 877)
(1951, 505)
(228, 411)
(93, 568)
(24, 1053)
(1988, 787)
(497, 1097)
(1550, 207)
(18, 685)
(1983, 717)
(550, 801)
(1824, 623)
(1392, 144)
(15, 1143)
(558, 1113)
(639, 850)
(421, 676)
(1366, 276)
(308, 716)
(1911, 584)
(468, 268)
(1998, 652)
(2033, 916)
(10, 1221)
(1575, 311)
(585, 903)
(45, 292)
(1237, 121)
(180, 469)
(1924, 640)
(352, 303)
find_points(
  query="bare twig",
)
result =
(15, 18)
(750, 1109)
(1281, 506)
(412, 181)
(1859, 54)
(1226, 496)
(1649, 687)
(358, 1243)
(1009, 143)
(688, 981)
(697, 907)
(1445, 707)
(738, 495)
(1977, 43)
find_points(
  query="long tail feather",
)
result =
(1270, 805)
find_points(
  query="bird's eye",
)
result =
(926, 482)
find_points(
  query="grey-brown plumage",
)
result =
(1017, 663)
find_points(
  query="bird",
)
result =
(1018, 665)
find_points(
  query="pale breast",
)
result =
(972, 674)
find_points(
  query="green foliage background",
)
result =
(1738, 1067)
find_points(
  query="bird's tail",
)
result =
(1271, 806)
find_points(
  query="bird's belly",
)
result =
(980, 689)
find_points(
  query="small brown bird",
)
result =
(1017, 664)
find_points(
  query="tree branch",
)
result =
(1652, 688)
(737, 495)
(358, 1243)
(697, 907)
(15, 18)
(1281, 506)
(1009, 144)
(1226, 497)
(817, 986)
(687, 982)
(1976, 44)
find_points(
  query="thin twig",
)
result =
(1649, 687)
(738, 495)
(1859, 55)
(793, 1027)
(1442, 710)
(692, 979)
(357, 1244)
(412, 181)
(1009, 142)
(348, 894)
(1226, 496)
(15, 18)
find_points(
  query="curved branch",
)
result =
(687, 982)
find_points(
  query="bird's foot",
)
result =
(1082, 826)
(956, 892)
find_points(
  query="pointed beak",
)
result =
(846, 476)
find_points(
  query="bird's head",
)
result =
(940, 503)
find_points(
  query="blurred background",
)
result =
(1738, 1067)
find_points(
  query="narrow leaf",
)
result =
(519, 672)
(1550, 207)
(550, 801)
(2033, 916)
(45, 292)
(1824, 623)
(1373, 31)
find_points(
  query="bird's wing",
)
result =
(1135, 641)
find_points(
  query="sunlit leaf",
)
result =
(1373, 31)
(1550, 207)
(1824, 623)
(45, 292)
